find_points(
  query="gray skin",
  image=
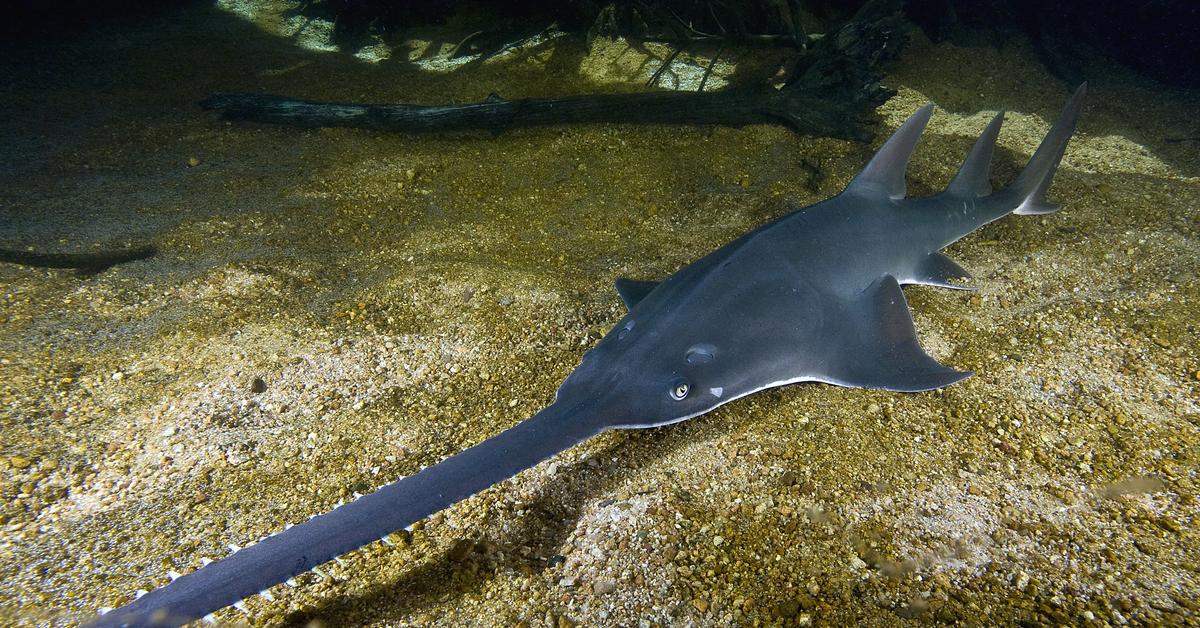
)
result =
(814, 296)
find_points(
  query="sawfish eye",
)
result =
(680, 390)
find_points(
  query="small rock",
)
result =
(787, 608)
(718, 541)
(567, 581)
(258, 385)
(604, 587)
(701, 604)
(118, 376)
(193, 162)
(460, 550)
(19, 462)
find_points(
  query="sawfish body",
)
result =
(813, 296)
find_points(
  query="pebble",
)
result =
(258, 385)
(19, 462)
(701, 604)
(718, 540)
(193, 162)
(603, 587)
(118, 376)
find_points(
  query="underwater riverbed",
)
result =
(330, 310)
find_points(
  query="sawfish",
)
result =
(814, 296)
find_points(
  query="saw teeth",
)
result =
(241, 606)
(104, 610)
(210, 619)
(234, 548)
(267, 595)
(204, 562)
(387, 541)
(173, 575)
(291, 582)
(140, 592)
(319, 572)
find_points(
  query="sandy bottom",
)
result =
(402, 298)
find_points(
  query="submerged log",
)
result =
(735, 107)
(832, 90)
(83, 262)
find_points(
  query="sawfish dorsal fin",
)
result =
(883, 350)
(973, 178)
(633, 291)
(939, 270)
(884, 175)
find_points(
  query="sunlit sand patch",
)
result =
(1023, 131)
(615, 61)
(309, 33)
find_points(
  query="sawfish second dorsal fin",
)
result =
(633, 291)
(972, 178)
(884, 175)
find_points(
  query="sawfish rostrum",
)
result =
(812, 297)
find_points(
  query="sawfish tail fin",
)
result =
(1027, 194)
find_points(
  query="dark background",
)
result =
(1158, 38)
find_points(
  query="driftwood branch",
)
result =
(831, 93)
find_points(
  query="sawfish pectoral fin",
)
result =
(633, 291)
(881, 348)
(939, 270)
